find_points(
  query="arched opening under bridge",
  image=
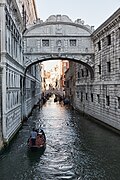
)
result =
(36, 61)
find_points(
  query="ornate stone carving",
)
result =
(59, 29)
(61, 18)
(58, 43)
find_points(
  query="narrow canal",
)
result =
(77, 149)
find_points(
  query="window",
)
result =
(81, 96)
(82, 72)
(107, 100)
(119, 62)
(119, 33)
(73, 42)
(99, 45)
(118, 102)
(109, 40)
(9, 45)
(91, 97)
(45, 43)
(108, 66)
(77, 94)
(78, 74)
(99, 69)
(86, 96)
(98, 98)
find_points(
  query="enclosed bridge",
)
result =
(59, 38)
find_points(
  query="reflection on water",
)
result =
(76, 149)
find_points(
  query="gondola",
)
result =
(40, 143)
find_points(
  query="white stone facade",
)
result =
(11, 65)
(12, 71)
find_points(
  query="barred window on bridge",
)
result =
(72, 42)
(45, 43)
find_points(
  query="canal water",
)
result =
(77, 149)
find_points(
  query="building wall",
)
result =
(100, 97)
(70, 78)
(33, 88)
(64, 65)
(12, 69)
(29, 8)
(11, 64)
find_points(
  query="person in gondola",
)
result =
(33, 136)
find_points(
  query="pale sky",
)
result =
(93, 12)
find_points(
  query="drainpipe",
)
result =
(1, 134)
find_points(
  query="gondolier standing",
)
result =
(33, 136)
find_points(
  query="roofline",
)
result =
(112, 17)
(55, 23)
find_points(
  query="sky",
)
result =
(93, 12)
(48, 65)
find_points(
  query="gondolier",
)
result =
(33, 136)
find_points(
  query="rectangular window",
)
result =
(86, 96)
(91, 97)
(81, 96)
(9, 45)
(118, 102)
(78, 74)
(72, 42)
(99, 45)
(107, 100)
(99, 69)
(98, 98)
(45, 43)
(82, 72)
(119, 62)
(77, 94)
(109, 40)
(119, 33)
(108, 66)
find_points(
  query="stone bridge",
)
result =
(55, 91)
(59, 38)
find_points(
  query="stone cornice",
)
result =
(96, 83)
(85, 27)
(17, 64)
(18, 19)
(16, 11)
(56, 36)
(107, 25)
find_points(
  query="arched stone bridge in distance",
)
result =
(57, 92)
(59, 38)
